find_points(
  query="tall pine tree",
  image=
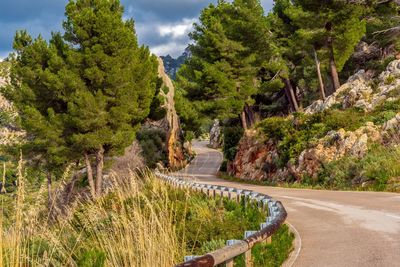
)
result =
(89, 89)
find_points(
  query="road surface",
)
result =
(335, 228)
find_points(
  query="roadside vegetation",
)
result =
(140, 221)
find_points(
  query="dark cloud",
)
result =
(161, 24)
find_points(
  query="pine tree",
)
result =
(88, 90)
(334, 26)
(221, 76)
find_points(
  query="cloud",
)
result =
(171, 48)
(177, 30)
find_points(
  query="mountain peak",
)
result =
(172, 65)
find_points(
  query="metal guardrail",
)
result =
(276, 217)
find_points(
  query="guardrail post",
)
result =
(229, 263)
(247, 259)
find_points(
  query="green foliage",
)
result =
(191, 119)
(157, 110)
(152, 142)
(294, 135)
(232, 136)
(212, 245)
(189, 136)
(390, 79)
(85, 90)
(92, 258)
(215, 222)
(375, 169)
(219, 78)
(5, 118)
(274, 254)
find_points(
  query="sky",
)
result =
(163, 25)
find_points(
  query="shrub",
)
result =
(152, 144)
(375, 169)
(295, 134)
(232, 136)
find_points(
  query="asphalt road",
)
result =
(335, 228)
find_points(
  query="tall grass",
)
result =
(133, 225)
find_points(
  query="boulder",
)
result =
(215, 135)
(255, 158)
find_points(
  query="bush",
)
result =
(232, 136)
(295, 134)
(374, 170)
(152, 143)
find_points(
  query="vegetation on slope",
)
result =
(294, 134)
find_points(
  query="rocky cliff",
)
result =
(169, 125)
(361, 91)
(258, 155)
(9, 134)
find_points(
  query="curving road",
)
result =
(335, 228)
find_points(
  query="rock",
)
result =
(255, 159)
(9, 134)
(361, 104)
(335, 146)
(360, 147)
(393, 124)
(215, 135)
(393, 68)
(315, 107)
(174, 143)
(357, 91)
(365, 52)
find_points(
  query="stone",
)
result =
(393, 124)
(315, 107)
(357, 91)
(360, 147)
(215, 135)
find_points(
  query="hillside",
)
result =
(347, 141)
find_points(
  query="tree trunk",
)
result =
(71, 188)
(89, 172)
(49, 196)
(321, 82)
(332, 66)
(99, 170)
(250, 115)
(290, 94)
(244, 120)
(334, 74)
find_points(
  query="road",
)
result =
(335, 228)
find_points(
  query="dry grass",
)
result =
(132, 226)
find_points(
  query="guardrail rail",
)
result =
(234, 248)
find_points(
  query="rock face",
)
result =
(215, 135)
(360, 91)
(174, 145)
(335, 146)
(8, 133)
(255, 159)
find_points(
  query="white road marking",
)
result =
(393, 216)
(298, 243)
